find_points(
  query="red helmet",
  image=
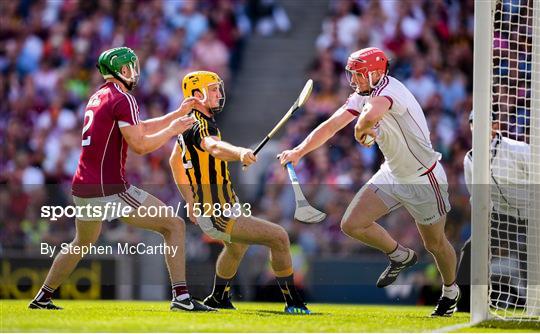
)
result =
(364, 62)
(367, 60)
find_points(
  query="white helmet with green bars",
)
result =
(111, 61)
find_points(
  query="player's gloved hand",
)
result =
(189, 104)
(247, 157)
(179, 125)
(286, 156)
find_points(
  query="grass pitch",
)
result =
(136, 316)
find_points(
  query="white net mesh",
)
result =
(514, 290)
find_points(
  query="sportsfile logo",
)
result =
(112, 210)
(108, 210)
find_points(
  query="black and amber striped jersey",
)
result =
(208, 176)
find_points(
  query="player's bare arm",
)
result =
(224, 151)
(318, 137)
(159, 123)
(374, 109)
(142, 142)
(181, 179)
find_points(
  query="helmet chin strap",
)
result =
(370, 78)
(371, 85)
(205, 99)
(130, 84)
(205, 95)
(204, 92)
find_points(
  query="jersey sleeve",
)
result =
(126, 110)
(202, 129)
(393, 92)
(354, 104)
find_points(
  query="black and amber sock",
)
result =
(285, 280)
(222, 287)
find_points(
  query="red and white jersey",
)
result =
(402, 133)
(101, 168)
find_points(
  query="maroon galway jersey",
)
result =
(101, 169)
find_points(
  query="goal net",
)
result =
(513, 166)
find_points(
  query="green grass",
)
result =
(505, 326)
(136, 316)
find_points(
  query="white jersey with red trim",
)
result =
(402, 134)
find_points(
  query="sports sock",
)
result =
(288, 289)
(44, 295)
(400, 254)
(180, 290)
(222, 287)
(450, 291)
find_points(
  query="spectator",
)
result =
(420, 83)
(211, 54)
(268, 16)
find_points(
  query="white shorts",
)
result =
(120, 205)
(425, 197)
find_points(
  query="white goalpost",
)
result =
(533, 240)
(505, 273)
(483, 36)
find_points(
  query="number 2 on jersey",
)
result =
(187, 163)
(90, 114)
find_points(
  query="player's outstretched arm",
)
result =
(228, 152)
(374, 109)
(156, 124)
(142, 143)
(318, 137)
(180, 178)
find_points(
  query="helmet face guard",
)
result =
(351, 75)
(202, 82)
(133, 80)
(221, 100)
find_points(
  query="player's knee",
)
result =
(349, 226)
(346, 226)
(85, 240)
(355, 228)
(281, 239)
(173, 226)
(434, 245)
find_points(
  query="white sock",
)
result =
(451, 291)
(400, 254)
(182, 296)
